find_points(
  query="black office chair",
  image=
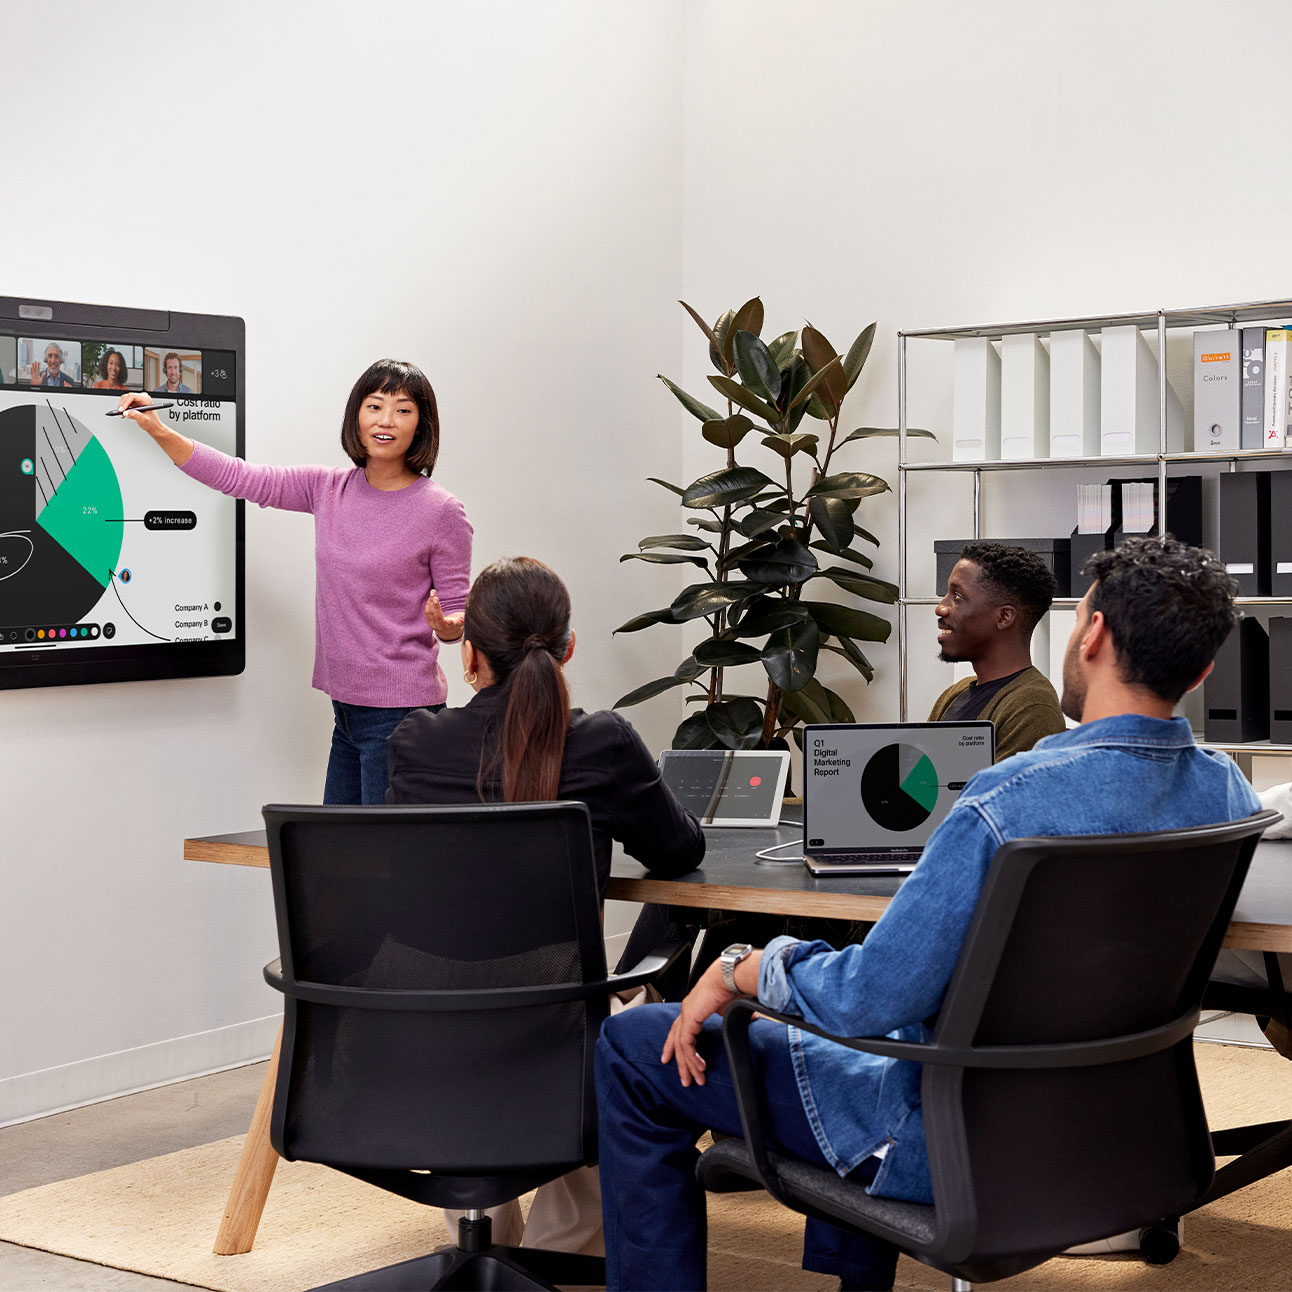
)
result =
(1060, 1098)
(445, 980)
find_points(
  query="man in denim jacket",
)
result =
(1146, 632)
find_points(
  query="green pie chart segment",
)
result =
(84, 516)
(921, 781)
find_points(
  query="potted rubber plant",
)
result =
(766, 543)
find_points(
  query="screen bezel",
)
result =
(72, 666)
(715, 755)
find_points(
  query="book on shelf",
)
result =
(1278, 388)
(1074, 395)
(1253, 431)
(1217, 391)
(1024, 398)
(1129, 398)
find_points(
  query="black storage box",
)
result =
(1236, 696)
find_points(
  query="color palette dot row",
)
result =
(54, 634)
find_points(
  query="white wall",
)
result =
(490, 190)
(514, 195)
(935, 164)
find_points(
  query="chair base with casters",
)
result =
(477, 1262)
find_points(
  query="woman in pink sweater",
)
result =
(392, 560)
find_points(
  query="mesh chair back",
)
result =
(436, 898)
(1080, 940)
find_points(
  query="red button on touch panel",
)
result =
(755, 780)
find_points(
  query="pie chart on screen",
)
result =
(899, 787)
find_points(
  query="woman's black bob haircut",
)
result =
(389, 377)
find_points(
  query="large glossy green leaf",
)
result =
(686, 542)
(756, 366)
(727, 432)
(824, 358)
(721, 488)
(706, 523)
(790, 655)
(758, 522)
(691, 404)
(782, 349)
(720, 355)
(814, 382)
(689, 669)
(848, 484)
(794, 377)
(788, 445)
(708, 598)
(665, 558)
(834, 520)
(803, 705)
(851, 554)
(672, 488)
(738, 723)
(748, 318)
(786, 563)
(866, 534)
(861, 585)
(638, 622)
(723, 652)
(735, 392)
(765, 615)
(855, 359)
(869, 432)
(738, 554)
(846, 621)
(651, 689)
(695, 733)
(848, 649)
(700, 323)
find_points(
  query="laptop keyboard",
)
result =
(892, 857)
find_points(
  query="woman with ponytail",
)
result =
(518, 741)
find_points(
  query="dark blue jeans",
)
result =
(653, 1207)
(357, 770)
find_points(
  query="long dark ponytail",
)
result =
(518, 617)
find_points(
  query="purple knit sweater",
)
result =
(377, 555)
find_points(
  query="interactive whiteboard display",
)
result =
(114, 565)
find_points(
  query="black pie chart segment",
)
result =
(899, 787)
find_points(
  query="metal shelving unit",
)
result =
(1161, 321)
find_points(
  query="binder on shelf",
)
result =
(1280, 533)
(1055, 552)
(1281, 681)
(1074, 395)
(1024, 398)
(1128, 398)
(1183, 514)
(1237, 691)
(1243, 540)
(1217, 391)
(1252, 435)
(975, 414)
(1278, 388)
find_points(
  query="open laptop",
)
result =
(873, 793)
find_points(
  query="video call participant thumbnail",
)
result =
(56, 360)
(172, 367)
(113, 372)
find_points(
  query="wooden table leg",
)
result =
(255, 1172)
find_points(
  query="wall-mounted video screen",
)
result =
(114, 565)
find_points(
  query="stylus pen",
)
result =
(140, 408)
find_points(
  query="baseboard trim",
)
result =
(109, 1076)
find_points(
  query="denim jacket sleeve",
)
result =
(899, 974)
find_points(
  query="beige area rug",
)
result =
(159, 1217)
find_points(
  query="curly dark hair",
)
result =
(1017, 576)
(389, 377)
(1169, 608)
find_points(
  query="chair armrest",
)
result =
(651, 965)
(1067, 1054)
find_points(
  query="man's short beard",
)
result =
(948, 658)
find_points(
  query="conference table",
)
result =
(731, 879)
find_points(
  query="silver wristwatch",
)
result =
(729, 959)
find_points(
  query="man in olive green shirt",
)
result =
(995, 597)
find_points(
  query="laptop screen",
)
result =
(886, 785)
